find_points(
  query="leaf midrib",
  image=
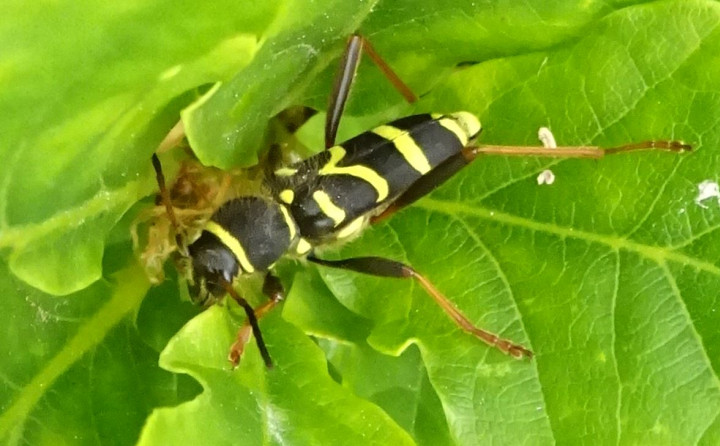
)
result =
(658, 254)
(131, 288)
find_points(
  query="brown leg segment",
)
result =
(344, 79)
(252, 320)
(274, 290)
(572, 151)
(424, 185)
(165, 196)
(378, 266)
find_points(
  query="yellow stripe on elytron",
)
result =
(468, 122)
(303, 246)
(406, 145)
(231, 243)
(454, 127)
(285, 172)
(328, 207)
(379, 183)
(289, 222)
(287, 196)
(352, 228)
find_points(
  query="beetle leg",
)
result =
(344, 80)
(165, 197)
(428, 182)
(274, 290)
(378, 266)
(596, 152)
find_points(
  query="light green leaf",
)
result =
(88, 92)
(226, 128)
(296, 402)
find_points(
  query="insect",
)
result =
(334, 195)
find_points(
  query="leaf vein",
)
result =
(656, 253)
(686, 313)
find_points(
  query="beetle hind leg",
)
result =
(378, 266)
(445, 170)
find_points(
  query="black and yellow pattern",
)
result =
(325, 198)
(245, 235)
(333, 189)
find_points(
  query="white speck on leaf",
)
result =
(707, 189)
(547, 138)
(548, 141)
(546, 177)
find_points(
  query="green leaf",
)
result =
(88, 353)
(88, 93)
(399, 385)
(609, 275)
(226, 127)
(295, 402)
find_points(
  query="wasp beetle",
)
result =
(337, 193)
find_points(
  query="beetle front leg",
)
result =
(273, 289)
